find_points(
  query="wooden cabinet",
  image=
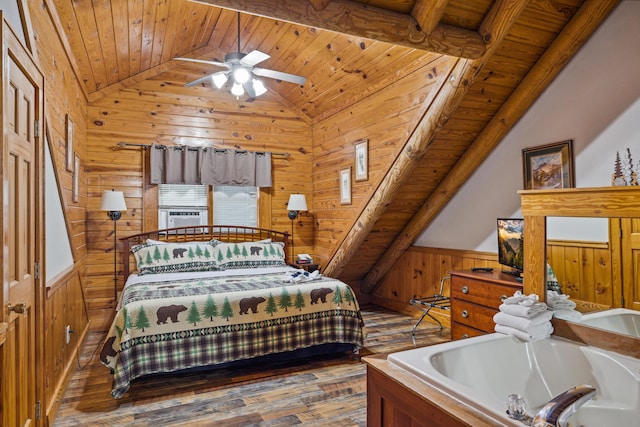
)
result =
(475, 298)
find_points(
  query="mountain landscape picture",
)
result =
(510, 243)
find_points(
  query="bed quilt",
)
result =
(167, 326)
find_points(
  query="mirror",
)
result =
(582, 258)
(619, 207)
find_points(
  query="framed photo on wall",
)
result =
(548, 166)
(362, 160)
(69, 136)
(345, 186)
(76, 179)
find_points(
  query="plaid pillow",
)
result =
(152, 258)
(249, 255)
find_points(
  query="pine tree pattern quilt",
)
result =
(170, 325)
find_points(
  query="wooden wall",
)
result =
(583, 268)
(64, 303)
(386, 119)
(140, 114)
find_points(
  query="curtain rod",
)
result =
(145, 146)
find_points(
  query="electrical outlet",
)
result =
(67, 334)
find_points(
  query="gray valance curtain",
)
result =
(191, 165)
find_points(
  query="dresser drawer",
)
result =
(460, 331)
(480, 292)
(473, 315)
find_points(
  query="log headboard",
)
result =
(200, 233)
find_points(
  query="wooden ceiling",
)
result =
(510, 51)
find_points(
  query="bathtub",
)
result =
(482, 371)
(619, 320)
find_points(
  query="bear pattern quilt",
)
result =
(167, 326)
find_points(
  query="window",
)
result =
(235, 205)
(182, 195)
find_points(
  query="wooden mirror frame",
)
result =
(598, 202)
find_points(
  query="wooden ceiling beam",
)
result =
(503, 14)
(428, 13)
(565, 46)
(319, 4)
(360, 20)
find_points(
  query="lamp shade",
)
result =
(297, 202)
(112, 201)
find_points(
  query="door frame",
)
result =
(14, 49)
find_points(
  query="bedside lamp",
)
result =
(297, 203)
(113, 202)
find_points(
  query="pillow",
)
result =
(171, 257)
(249, 255)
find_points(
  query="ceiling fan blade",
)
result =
(204, 61)
(279, 75)
(201, 80)
(254, 57)
(248, 87)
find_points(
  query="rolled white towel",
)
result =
(572, 315)
(541, 331)
(522, 310)
(522, 323)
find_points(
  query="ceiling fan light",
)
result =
(237, 89)
(258, 87)
(219, 80)
(241, 75)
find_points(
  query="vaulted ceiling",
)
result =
(509, 51)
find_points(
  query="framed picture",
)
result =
(70, 153)
(548, 166)
(362, 160)
(76, 179)
(345, 186)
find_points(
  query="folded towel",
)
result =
(543, 330)
(559, 301)
(303, 276)
(515, 299)
(522, 323)
(572, 315)
(522, 310)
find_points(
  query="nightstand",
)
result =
(308, 267)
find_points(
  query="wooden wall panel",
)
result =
(142, 114)
(582, 268)
(64, 303)
(386, 119)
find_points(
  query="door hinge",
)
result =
(36, 270)
(38, 410)
(36, 131)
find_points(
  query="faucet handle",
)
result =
(557, 412)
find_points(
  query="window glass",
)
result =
(234, 205)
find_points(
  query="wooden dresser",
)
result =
(475, 298)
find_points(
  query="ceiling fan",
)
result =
(241, 67)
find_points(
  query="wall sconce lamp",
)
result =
(113, 202)
(297, 203)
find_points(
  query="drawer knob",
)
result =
(465, 314)
(465, 290)
(465, 335)
(503, 297)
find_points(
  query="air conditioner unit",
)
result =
(171, 218)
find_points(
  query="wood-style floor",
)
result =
(321, 391)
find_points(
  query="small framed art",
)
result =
(345, 186)
(69, 153)
(362, 160)
(76, 179)
(548, 166)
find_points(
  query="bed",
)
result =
(212, 296)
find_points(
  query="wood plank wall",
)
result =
(64, 303)
(583, 269)
(386, 119)
(141, 114)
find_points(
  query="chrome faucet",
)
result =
(557, 412)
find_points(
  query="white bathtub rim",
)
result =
(485, 403)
